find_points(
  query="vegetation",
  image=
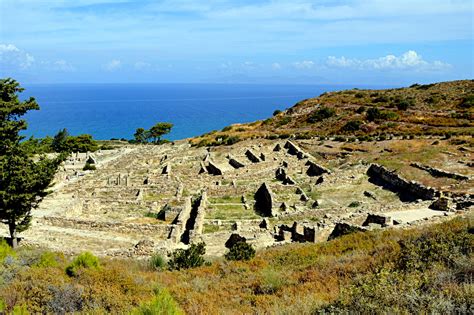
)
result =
(240, 251)
(157, 262)
(434, 109)
(23, 180)
(62, 142)
(321, 114)
(187, 258)
(84, 260)
(154, 134)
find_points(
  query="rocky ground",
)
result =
(143, 199)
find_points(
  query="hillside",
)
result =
(435, 109)
(392, 271)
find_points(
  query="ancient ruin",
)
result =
(143, 199)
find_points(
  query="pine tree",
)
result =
(23, 179)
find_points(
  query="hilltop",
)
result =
(445, 108)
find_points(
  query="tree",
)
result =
(59, 141)
(81, 143)
(23, 180)
(159, 130)
(140, 135)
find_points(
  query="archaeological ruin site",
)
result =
(144, 199)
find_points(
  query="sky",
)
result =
(222, 41)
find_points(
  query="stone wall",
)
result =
(152, 230)
(391, 180)
(293, 149)
(179, 225)
(436, 172)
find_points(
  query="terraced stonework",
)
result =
(143, 199)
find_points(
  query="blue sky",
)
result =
(287, 41)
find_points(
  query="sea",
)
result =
(115, 111)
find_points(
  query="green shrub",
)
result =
(227, 128)
(276, 112)
(321, 114)
(89, 167)
(360, 110)
(5, 251)
(272, 282)
(187, 258)
(240, 251)
(232, 140)
(84, 260)
(47, 259)
(404, 104)
(283, 121)
(162, 304)
(267, 121)
(352, 125)
(359, 95)
(432, 248)
(354, 204)
(374, 114)
(467, 102)
(380, 99)
(157, 262)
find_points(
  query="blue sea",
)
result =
(116, 110)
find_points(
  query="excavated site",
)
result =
(150, 198)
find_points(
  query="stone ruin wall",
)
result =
(398, 183)
(152, 230)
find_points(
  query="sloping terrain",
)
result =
(439, 109)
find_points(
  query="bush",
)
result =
(89, 167)
(232, 140)
(5, 251)
(227, 128)
(276, 112)
(380, 99)
(360, 110)
(467, 102)
(404, 104)
(321, 114)
(47, 259)
(240, 251)
(157, 262)
(354, 204)
(376, 114)
(283, 121)
(187, 258)
(162, 304)
(84, 260)
(352, 125)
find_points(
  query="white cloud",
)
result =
(113, 65)
(63, 65)
(141, 65)
(304, 65)
(408, 60)
(276, 66)
(11, 57)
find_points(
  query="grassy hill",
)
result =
(435, 109)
